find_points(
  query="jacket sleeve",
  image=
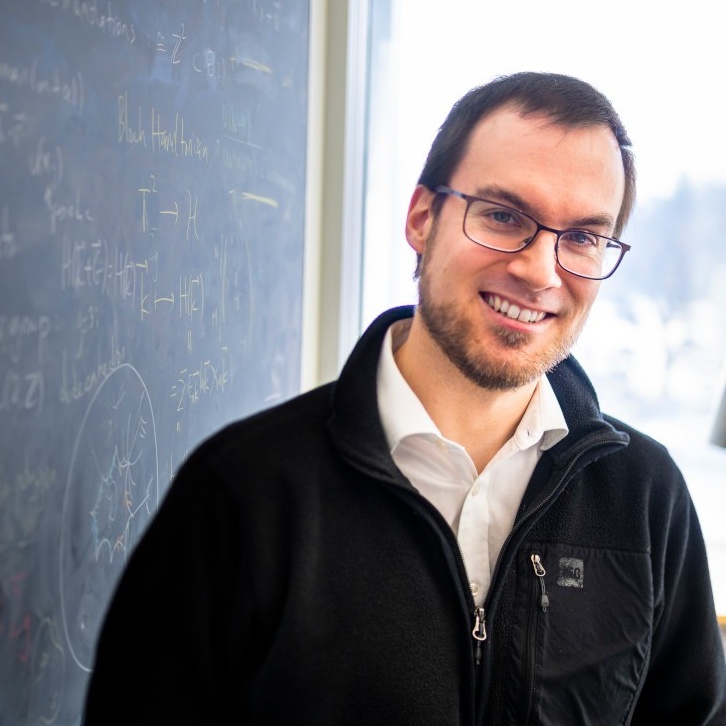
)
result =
(686, 678)
(161, 654)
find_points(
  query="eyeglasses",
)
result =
(504, 229)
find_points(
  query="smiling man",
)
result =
(452, 532)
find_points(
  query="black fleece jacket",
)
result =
(293, 575)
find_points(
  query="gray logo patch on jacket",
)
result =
(572, 572)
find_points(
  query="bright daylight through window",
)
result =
(655, 345)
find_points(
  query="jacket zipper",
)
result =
(479, 633)
(517, 526)
(540, 600)
(543, 601)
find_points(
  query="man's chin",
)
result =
(498, 378)
(513, 339)
(515, 366)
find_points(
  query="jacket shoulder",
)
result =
(643, 447)
(299, 414)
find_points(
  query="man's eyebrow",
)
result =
(497, 193)
(506, 196)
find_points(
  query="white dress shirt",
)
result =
(479, 507)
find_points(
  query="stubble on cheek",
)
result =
(457, 337)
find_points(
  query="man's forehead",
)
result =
(542, 161)
(508, 134)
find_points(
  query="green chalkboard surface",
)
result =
(152, 189)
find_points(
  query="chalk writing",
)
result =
(8, 244)
(147, 204)
(221, 250)
(77, 383)
(46, 163)
(127, 133)
(47, 674)
(163, 45)
(239, 196)
(111, 493)
(16, 329)
(52, 84)
(192, 215)
(24, 497)
(266, 12)
(83, 264)
(219, 313)
(176, 141)
(151, 249)
(117, 273)
(205, 380)
(191, 295)
(151, 213)
(21, 390)
(251, 63)
(237, 121)
(12, 125)
(209, 64)
(65, 211)
(88, 13)
(88, 321)
(238, 161)
(35, 483)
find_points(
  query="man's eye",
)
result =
(581, 239)
(502, 216)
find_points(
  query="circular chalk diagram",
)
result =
(111, 493)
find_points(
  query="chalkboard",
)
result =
(152, 188)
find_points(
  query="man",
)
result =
(452, 533)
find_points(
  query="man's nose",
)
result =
(537, 264)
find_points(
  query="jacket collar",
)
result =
(355, 424)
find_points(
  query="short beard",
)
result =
(454, 335)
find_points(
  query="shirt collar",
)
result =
(403, 414)
(543, 421)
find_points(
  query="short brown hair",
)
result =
(567, 101)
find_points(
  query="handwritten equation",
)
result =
(151, 254)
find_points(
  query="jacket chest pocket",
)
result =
(581, 630)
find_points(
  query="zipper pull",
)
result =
(479, 633)
(539, 570)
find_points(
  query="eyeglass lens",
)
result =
(507, 230)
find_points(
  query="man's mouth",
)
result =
(513, 311)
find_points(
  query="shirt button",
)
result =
(475, 490)
(474, 587)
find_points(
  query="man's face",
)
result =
(564, 178)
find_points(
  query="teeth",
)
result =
(513, 311)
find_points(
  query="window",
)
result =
(655, 346)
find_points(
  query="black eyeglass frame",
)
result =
(468, 198)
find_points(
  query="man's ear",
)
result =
(420, 218)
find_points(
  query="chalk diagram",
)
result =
(111, 494)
